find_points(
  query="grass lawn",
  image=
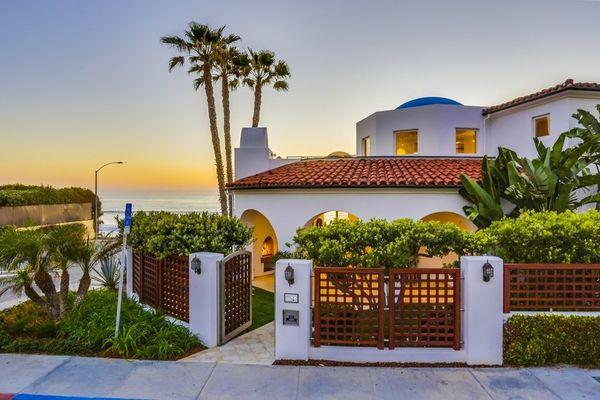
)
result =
(263, 308)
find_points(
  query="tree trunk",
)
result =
(64, 289)
(214, 132)
(82, 289)
(44, 282)
(257, 101)
(226, 126)
(34, 296)
(598, 202)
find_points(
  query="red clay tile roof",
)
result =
(567, 85)
(365, 172)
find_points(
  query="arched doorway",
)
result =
(325, 218)
(448, 217)
(264, 242)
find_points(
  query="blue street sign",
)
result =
(128, 214)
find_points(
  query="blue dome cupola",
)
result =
(428, 101)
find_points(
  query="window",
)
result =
(407, 142)
(466, 141)
(366, 146)
(541, 125)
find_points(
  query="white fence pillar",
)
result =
(204, 298)
(129, 272)
(482, 303)
(292, 310)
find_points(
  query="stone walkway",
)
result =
(33, 376)
(255, 347)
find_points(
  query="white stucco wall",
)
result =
(436, 125)
(287, 210)
(513, 128)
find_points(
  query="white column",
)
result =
(204, 298)
(482, 303)
(129, 272)
(292, 342)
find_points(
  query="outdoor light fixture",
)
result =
(488, 271)
(289, 275)
(196, 265)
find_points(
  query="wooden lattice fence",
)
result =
(162, 284)
(421, 307)
(551, 287)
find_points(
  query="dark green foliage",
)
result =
(378, 243)
(552, 339)
(541, 237)
(263, 307)
(548, 182)
(89, 330)
(163, 233)
(23, 195)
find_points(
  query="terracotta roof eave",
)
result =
(567, 86)
(263, 187)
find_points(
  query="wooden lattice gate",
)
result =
(236, 294)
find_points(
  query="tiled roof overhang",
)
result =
(567, 85)
(365, 172)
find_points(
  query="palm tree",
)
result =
(228, 70)
(88, 255)
(262, 69)
(34, 255)
(199, 47)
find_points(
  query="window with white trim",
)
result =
(541, 125)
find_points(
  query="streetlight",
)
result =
(96, 194)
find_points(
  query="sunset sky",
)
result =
(86, 82)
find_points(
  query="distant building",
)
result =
(407, 164)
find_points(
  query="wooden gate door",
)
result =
(236, 294)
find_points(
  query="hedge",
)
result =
(542, 237)
(25, 195)
(534, 340)
(378, 243)
(533, 237)
(163, 233)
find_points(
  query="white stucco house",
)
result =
(407, 164)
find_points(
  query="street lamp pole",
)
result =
(96, 194)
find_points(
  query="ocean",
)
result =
(113, 205)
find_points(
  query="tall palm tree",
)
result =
(199, 47)
(262, 69)
(228, 70)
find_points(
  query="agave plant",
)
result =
(108, 273)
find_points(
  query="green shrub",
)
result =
(143, 334)
(541, 237)
(163, 233)
(23, 195)
(378, 243)
(25, 318)
(89, 330)
(552, 339)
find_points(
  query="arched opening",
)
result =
(325, 218)
(449, 217)
(264, 242)
(268, 249)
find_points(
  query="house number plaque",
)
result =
(290, 297)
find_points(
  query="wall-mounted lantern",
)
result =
(488, 271)
(289, 275)
(196, 265)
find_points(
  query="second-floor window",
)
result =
(407, 142)
(541, 125)
(366, 146)
(466, 141)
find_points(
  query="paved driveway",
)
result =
(121, 379)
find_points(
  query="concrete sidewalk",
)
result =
(104, 378)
